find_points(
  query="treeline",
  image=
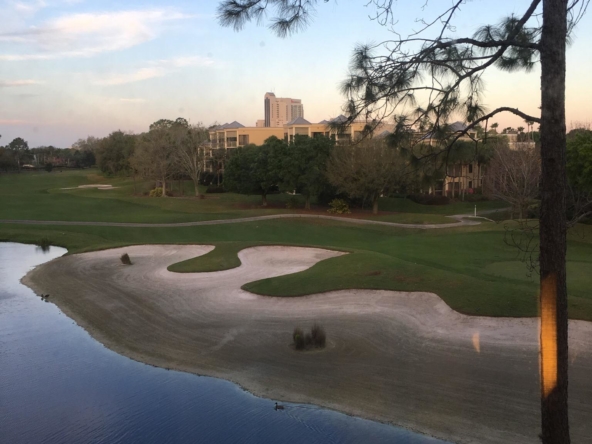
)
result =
(363, 171)
(170, 149)
(17, 155)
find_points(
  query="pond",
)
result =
(59, 385)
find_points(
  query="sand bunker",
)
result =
(398, 357)
(99, 186)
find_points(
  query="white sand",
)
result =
(398, 357)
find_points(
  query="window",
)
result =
(470, 168)
(243, 139)
(470, 184)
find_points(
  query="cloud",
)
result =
(131, 100)
(88, 34)
(17, 83)
(158, 68)
(11, 122)
(29, 7)
(32, 7)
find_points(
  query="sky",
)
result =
(74, 68)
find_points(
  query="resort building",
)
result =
(461, 177)
(234, 135)
(278, 111)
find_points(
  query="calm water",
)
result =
(58, 385)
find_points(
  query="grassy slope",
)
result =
(41, 196)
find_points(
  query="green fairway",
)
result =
(470, 267)
(54, 196)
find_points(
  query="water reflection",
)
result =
(59, 385)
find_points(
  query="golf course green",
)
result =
(471, 268)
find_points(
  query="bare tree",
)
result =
(190, 145)
(155, 156)
(513, 176)
(367, 170)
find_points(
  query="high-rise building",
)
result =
(280, 110)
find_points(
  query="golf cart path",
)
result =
(460, 218)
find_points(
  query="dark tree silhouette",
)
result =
(424, 79)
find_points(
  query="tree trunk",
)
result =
(264, 199)
(375, 204)
(552, 231)
(307, 202)
(196, 185)
(163, 187)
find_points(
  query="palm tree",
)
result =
(494, 127)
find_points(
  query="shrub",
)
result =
(428, 199)
(534, 211)
(316, 338)
(125, 259)
(48, 167)
(297, 332)
(157, 192)
(215, 189)
(292, 202)
(298, 337)
(319, 336)
(475, 198)
(44, 243)
(338, 206)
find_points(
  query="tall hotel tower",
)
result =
(280, 110)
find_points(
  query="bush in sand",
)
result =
(125, 259)
(317, 338)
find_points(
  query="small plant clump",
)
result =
(316, 338)
(292, 202)
(125, 259)
(338, 206)
(44, 243)
(157, 192)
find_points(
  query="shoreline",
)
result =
(155, 332)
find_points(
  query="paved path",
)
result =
(460, 218)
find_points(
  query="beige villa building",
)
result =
(459, 178)
(234, 135)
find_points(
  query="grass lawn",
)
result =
(471, 268)
(42, 196)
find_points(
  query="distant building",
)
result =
(278, 111)
(234, 135)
